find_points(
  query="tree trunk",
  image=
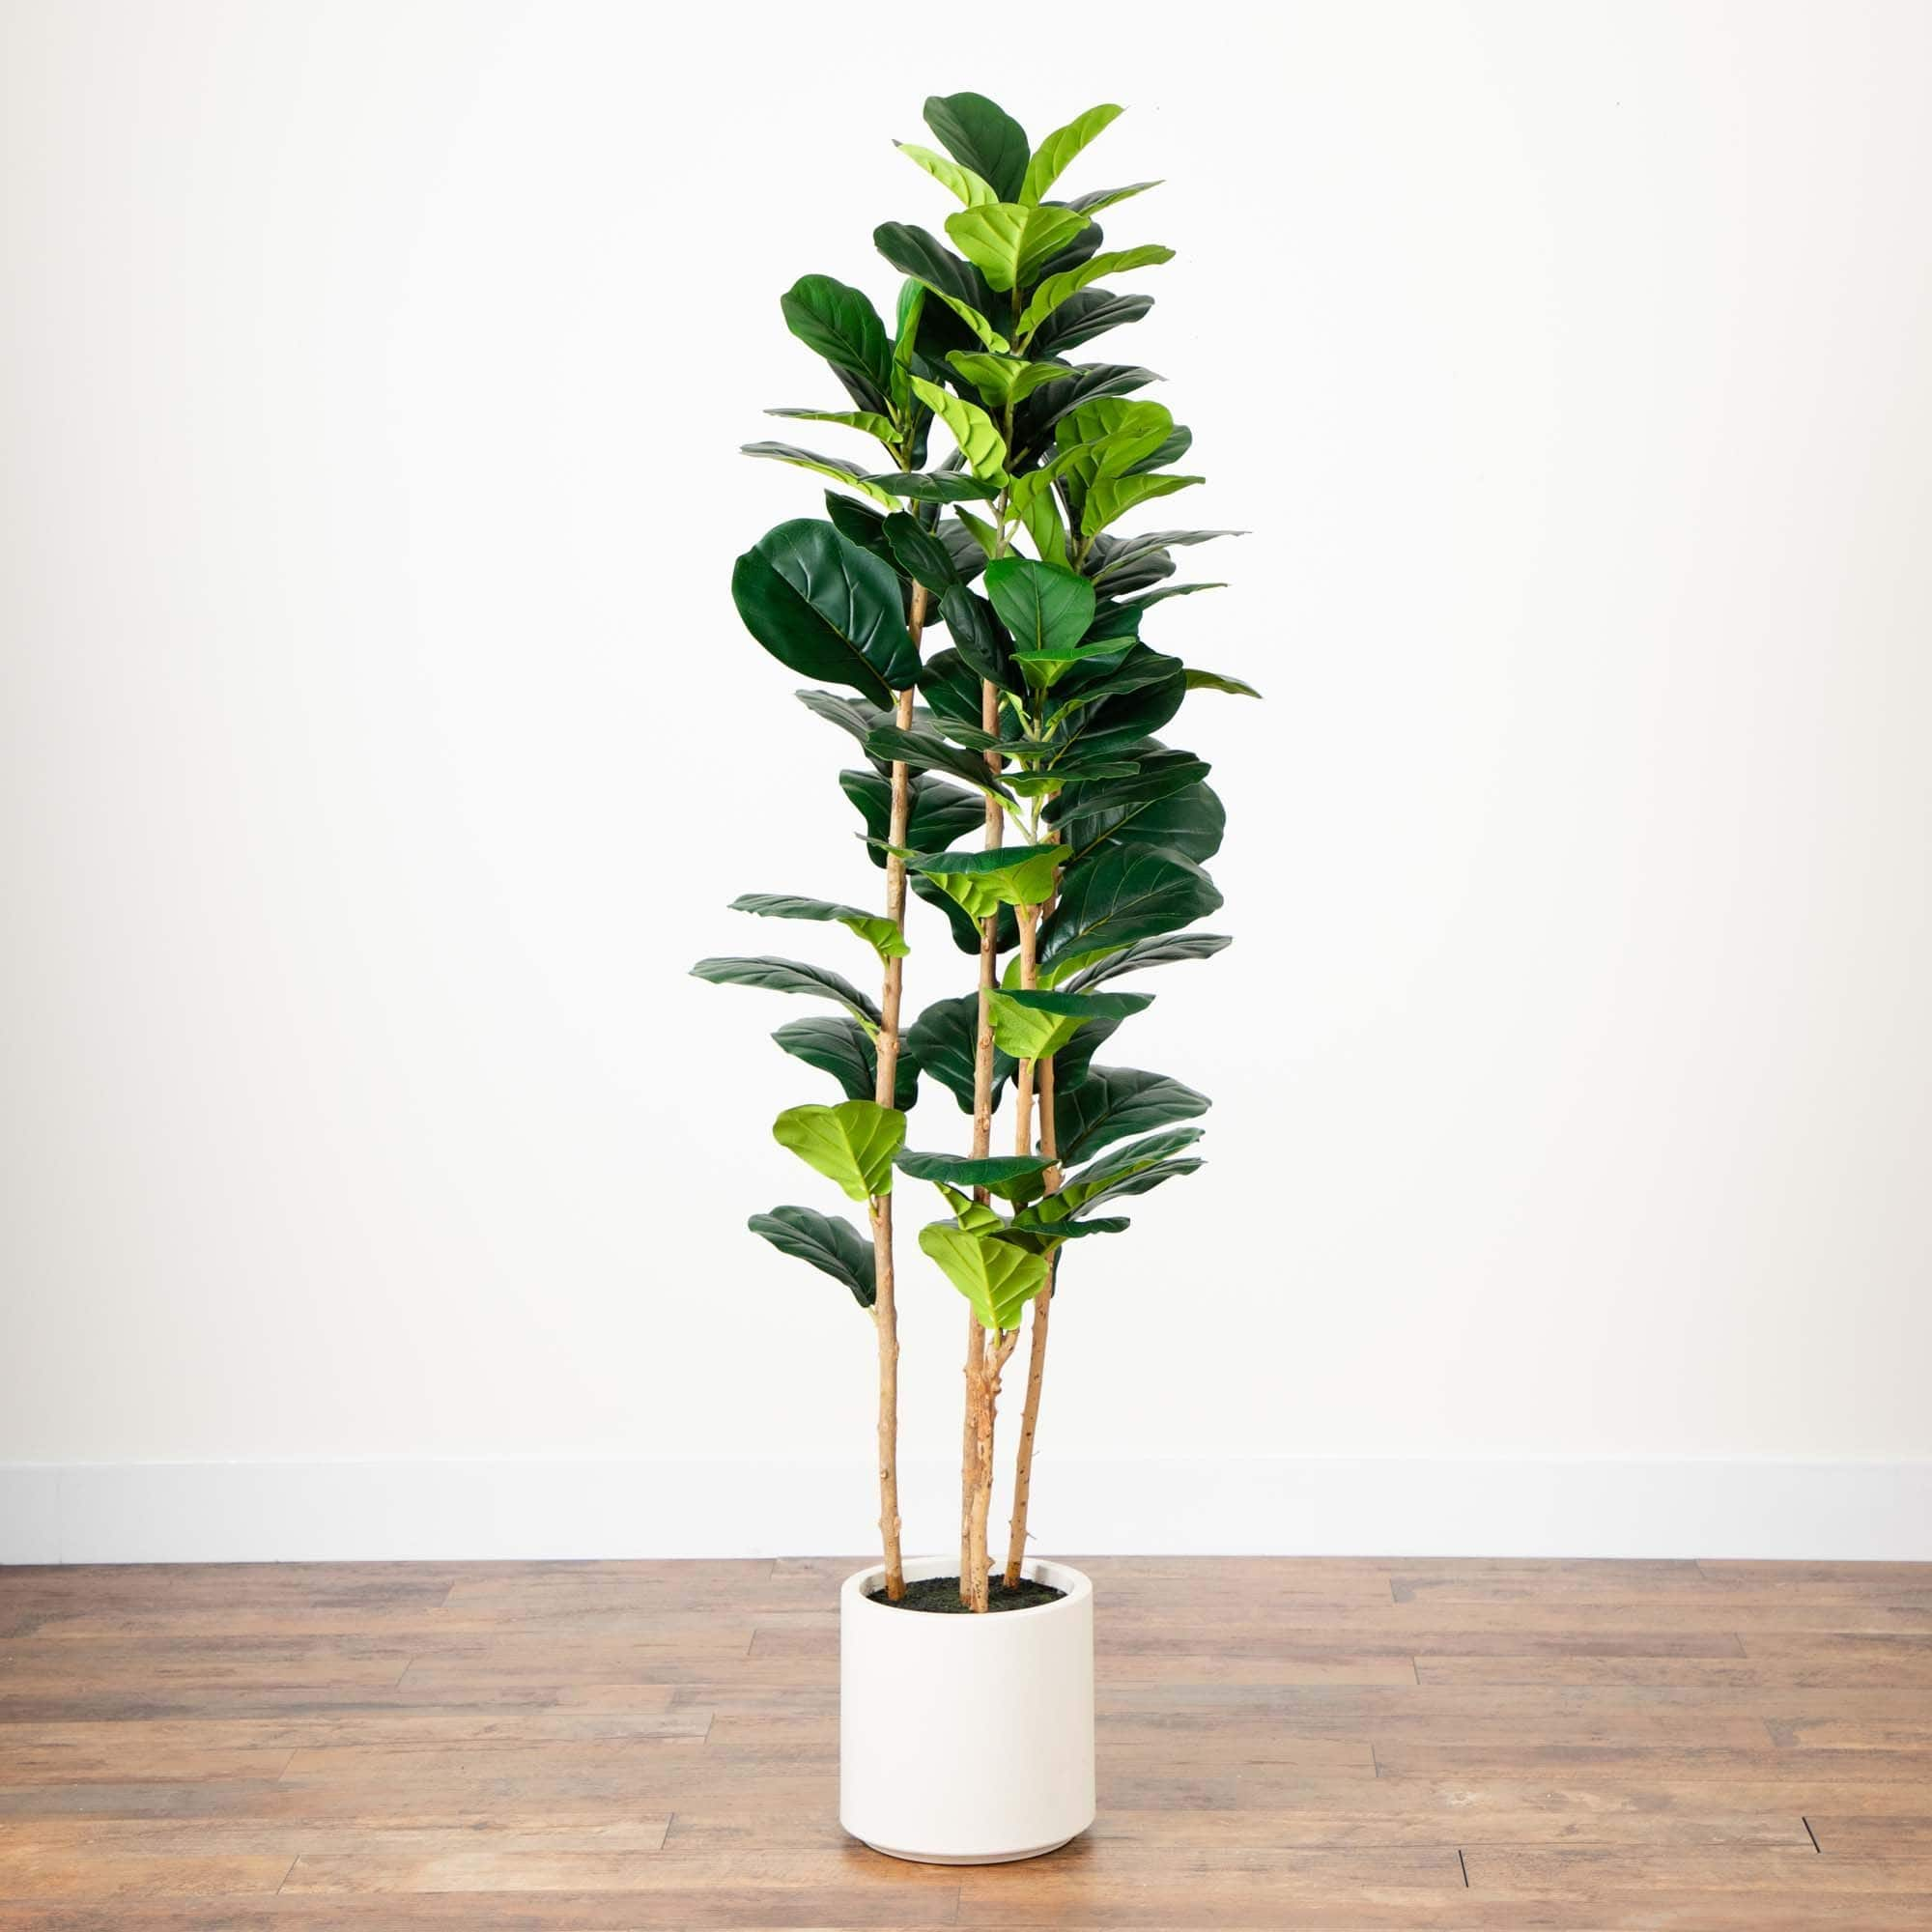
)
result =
(976, 1475)
(885, 1306)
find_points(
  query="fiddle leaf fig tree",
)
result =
(981, 621)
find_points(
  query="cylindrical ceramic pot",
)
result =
(966, 1740)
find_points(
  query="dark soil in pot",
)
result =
(939, 1597)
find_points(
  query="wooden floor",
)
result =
(1575, 1747)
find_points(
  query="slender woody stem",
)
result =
(885, 1307)
(1042, 1302)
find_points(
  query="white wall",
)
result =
(380, 747)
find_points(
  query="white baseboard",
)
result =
(1411, 1506)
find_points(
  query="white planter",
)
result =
(967, 1740)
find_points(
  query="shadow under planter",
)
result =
(966, 1740)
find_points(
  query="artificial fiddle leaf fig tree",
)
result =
(984, 494)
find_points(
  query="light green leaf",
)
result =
(1113, 1102)
(1108, 435)
(862, 419)
(1115, 496)
(996, 1277)
(1007, 243)
(982, 882)
(851, 1144)
(824, 466)
(1006, 379)
(876, 930)
(949, 175)
(1006, 1174)
(983, 136)
(828, 1242)
(1031, 500)
(1214, 680)
(1035, 1025)
(1045, 606)
(1043, 669)
(1055, 155)
(790, 976)
(1057, 289)
(979, 440)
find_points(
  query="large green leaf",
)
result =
(1043, 607)
(996, 1277)
(1003, 380)
(919, 554)
(1111, 498)
(839, 324)
(1121, 894)
(943, 1040)
(789, 976)
(838, 1045)
(983, 881)
(1149, 952)
(939, 812)
(1000, 1174)
(1107, 435)
(979, 438)
(1055, 155)
(850, 714)
(914, 251)
(828, 1242)
(1081, 318)
(1084, 385)
(1113, 1102)
(1190, 822)
(977, 639)
(1035, 1025)
(1160, 774)
(934, 486)
(822, 605)
(927, 751)
(967, 931)
(1008, 243)
(862, 524)
(1060, 288)
(971, 188)
(1031, 500)
(848, 474)
(874, 928)
(852, 1144)
(982, 136)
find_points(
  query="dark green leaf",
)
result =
(874, 928)
(997, 1173)
(982, 136)
(789, 976)
(1113, 1102)
(1096, 199)
(828, 1242)
(861, 524)
(839, 324)
(1160, 775)
(851, 715)
(919, 554)
(979, 639)
(914, 251)
(927, 751)
(940, 812)
(933, 485)
(822, 605)
(1035, 418)
(1082, 317)
(943, 1040)
(1190, 822)
(820, 464)
(1214, 680)
(1149, 952)
(1121, 895)
(838, 1045)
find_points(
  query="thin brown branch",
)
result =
(885, 1306)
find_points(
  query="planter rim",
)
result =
(855, 1591)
